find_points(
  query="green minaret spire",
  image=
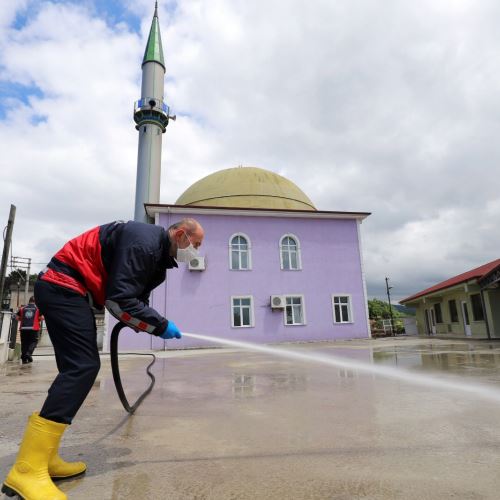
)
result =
(154, 50)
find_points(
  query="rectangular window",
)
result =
(244, 260)
(342, 309)
(235, 259)
(477, 307)
(242, 312)
(452, 306)
(439, 314)
(239, 259)
(294, 310)
(286, 260)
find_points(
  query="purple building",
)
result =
(272, 267)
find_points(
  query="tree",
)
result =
(16, 276)
(20, 275)
(378, 309)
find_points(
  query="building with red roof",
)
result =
(466, 305)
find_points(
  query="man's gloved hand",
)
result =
(171, 332)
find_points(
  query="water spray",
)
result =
(476, 390)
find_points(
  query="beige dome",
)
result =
(246, 187)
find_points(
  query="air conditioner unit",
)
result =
(197, 264)
(278, 302)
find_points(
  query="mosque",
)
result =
(272, 267)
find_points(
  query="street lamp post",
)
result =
(6, 300)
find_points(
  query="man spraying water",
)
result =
(116, 265)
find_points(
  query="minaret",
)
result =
(151, 116)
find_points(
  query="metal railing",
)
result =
(150, 103)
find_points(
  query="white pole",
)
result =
(27, 284)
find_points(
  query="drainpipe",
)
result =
(485, 315)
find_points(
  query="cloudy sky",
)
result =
(388, 106)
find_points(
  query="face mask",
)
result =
(187, 254)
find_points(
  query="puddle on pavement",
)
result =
(249, 385)
(470, 361)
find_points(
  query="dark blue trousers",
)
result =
(29, 340)
(71, 326)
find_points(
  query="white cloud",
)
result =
(389, 107)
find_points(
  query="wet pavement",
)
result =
(227, 424)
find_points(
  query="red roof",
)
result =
(476, 273)
(485, 275)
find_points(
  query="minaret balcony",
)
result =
(151, 110)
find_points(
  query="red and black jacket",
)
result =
(29, 316)
(119, 264)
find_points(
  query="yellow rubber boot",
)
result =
(29, 477)
(60, 469)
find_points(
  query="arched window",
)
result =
(240, 258)
(290, 253)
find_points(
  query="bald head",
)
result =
(184, 232)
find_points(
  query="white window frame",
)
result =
(299, 257)
(249, 251)
(252, 318)
(350, 310)
(303, 303)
